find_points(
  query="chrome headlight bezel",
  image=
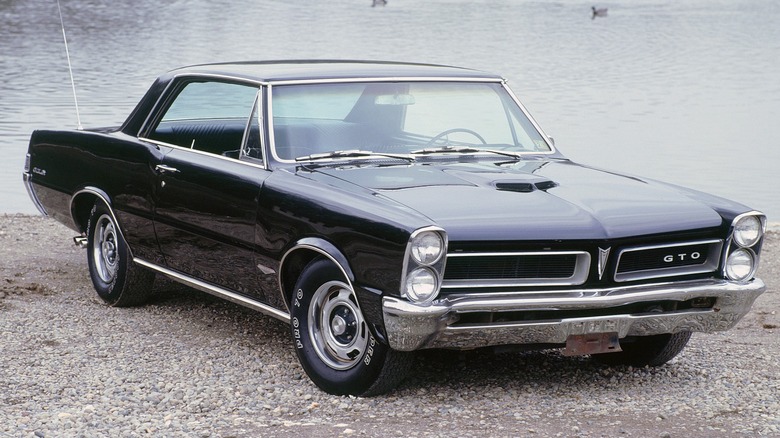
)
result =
(427, 247)
(426, 254)
(746, 236)
(743, 259)
(747, 230)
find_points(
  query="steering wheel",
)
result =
(453, 130)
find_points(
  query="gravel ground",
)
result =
(191, 365)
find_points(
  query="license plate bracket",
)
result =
(592, 343)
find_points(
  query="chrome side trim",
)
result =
(216, 291)
(580, 275)
(715, 248)
(31, 192)
(411, 327)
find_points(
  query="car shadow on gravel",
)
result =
(434, 370)
(546, 369)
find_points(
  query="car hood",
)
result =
(531, 200)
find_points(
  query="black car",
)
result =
(382, 208)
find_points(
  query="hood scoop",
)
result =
(524, 186)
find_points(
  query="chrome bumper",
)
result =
(31, 192)
(411, 327)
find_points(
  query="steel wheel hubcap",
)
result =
(337, 327)
(104, 253)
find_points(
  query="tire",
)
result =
(647, 350)
(333, 341)
(118, 281)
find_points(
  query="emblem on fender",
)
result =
(603, 258)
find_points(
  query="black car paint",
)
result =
(218, 219)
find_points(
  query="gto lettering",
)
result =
(682, 257)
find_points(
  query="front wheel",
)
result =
(333, 341)
(647, 350)
(118, 281)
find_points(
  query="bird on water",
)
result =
(600, 12)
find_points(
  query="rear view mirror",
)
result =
(394, 99)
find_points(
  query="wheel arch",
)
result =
(299, 255)
(81, 204)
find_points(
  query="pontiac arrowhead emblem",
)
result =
(603, 258)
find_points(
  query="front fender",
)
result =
(303, 252)
(309, 248)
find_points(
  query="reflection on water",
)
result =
(684, 91)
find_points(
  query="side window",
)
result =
(207, 116)
(253, 145)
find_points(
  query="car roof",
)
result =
(322, 69)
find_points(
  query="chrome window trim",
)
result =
(358, 79)
(208, 154)
(501, 81)
(176, 80)
(243, 150)
(716, 248)
(578, 277)
(546, 138)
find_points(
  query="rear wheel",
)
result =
(118, 281)
(332, 339)
(647, 350)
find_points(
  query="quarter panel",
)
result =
(116, 164)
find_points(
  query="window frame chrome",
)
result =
(443, 79)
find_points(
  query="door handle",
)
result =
(162, 168)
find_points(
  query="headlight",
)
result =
(427, 247)
(740, 265)
(423, 270)
(421, 285)
(747, 231)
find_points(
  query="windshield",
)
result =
(310, 120)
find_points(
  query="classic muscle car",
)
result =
(382, 208)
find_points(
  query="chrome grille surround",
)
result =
(578, 273)
(676, 267)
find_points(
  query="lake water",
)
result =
(686, 91)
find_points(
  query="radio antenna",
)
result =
(70, 69)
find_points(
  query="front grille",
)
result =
(516, 269)
(644, 262)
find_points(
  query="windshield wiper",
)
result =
(464, 150)
(351, 153)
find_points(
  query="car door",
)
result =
(206, 198)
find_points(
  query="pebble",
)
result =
(190, 365)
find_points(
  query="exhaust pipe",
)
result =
(80, 241)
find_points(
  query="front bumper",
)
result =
(412, 327)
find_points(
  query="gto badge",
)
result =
(682, 257)
(38, 171)
(603, 258)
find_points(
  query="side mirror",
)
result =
(552, 140)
